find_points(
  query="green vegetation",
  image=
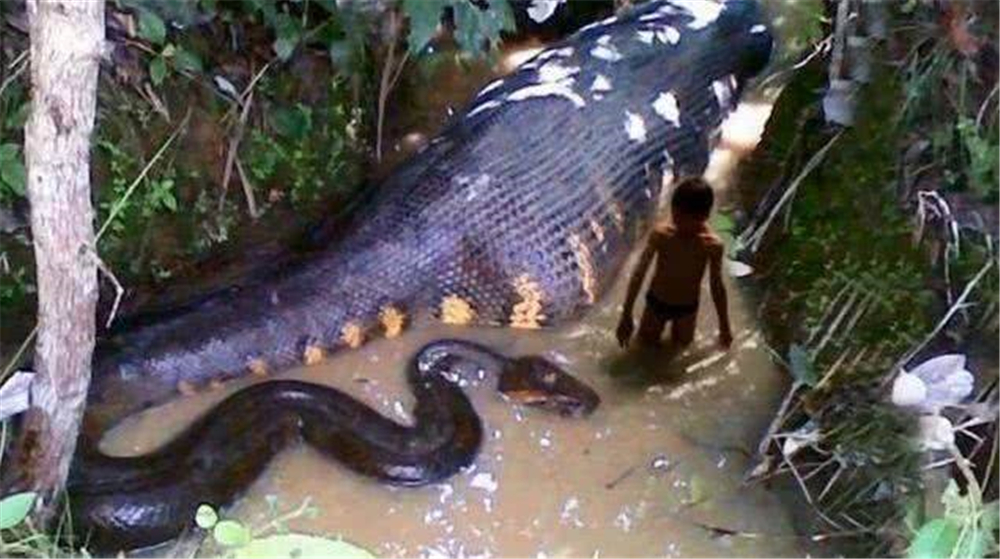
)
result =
(868, 259)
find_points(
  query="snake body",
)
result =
(519, 213)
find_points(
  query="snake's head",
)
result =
(537, 382)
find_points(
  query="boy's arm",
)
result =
(625, 324)
(635, 282)
(719, 295)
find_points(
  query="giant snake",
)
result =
(520, 213)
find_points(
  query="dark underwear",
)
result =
(668, 311)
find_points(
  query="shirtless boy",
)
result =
(682, 250)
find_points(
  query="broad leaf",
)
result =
(935, 539)
(301, 546)
(187, 60)
(12, 171)
(231, 533)
(15, 508)
(157, 70)
(424, 16)
(151, 27)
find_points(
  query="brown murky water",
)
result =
(662, 458)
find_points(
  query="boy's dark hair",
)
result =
(693, 197)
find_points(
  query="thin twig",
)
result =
(119, 290)
(756, 236)
(955, 308)
(234, 146)
(120, 204)
(247, 190)
(19, 64)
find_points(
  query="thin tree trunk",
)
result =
(67, 39)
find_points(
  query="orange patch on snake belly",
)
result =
(456, 310)
(257, 367)
(393, 320)
(313, 354)
(352, 335)
(527, 313)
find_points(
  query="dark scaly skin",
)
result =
(132, 502)
(527, 203)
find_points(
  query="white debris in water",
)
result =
(666, 106)
(721, 463)
(660, 463)
(498, 457)
(545, 442)
(702, 13)
(446, 491)
(570, 513)
(433, 516)
(488, 504)
(635, 127)
(655, 389)
(673, 550)
(518, 416)
(750, 343)
(624, 519)
(497, 434)
(484, 481)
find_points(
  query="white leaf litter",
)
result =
(800, 438)
(934, 384)
(936, 432)
(737, 269)
(541, 10)
(484, 481)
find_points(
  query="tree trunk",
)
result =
(67, 40)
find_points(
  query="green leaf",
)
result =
(424, 15)
(151, 27)
(474, 24)
(187, 61)
(294, 122)
(288, 31)
(206, 517)
(801, 365)
(12, 171)
(935, 539)
(15, 508)
(157, 70)
(231, 533)
(301, 546)
(990, 520)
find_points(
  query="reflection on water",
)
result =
(661, 459)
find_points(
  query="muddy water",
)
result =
(662, 458)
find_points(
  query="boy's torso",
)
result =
(681, 259)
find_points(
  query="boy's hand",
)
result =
(624, 333)
(725, 339)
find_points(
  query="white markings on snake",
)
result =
(665, 105)
(635, 127)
